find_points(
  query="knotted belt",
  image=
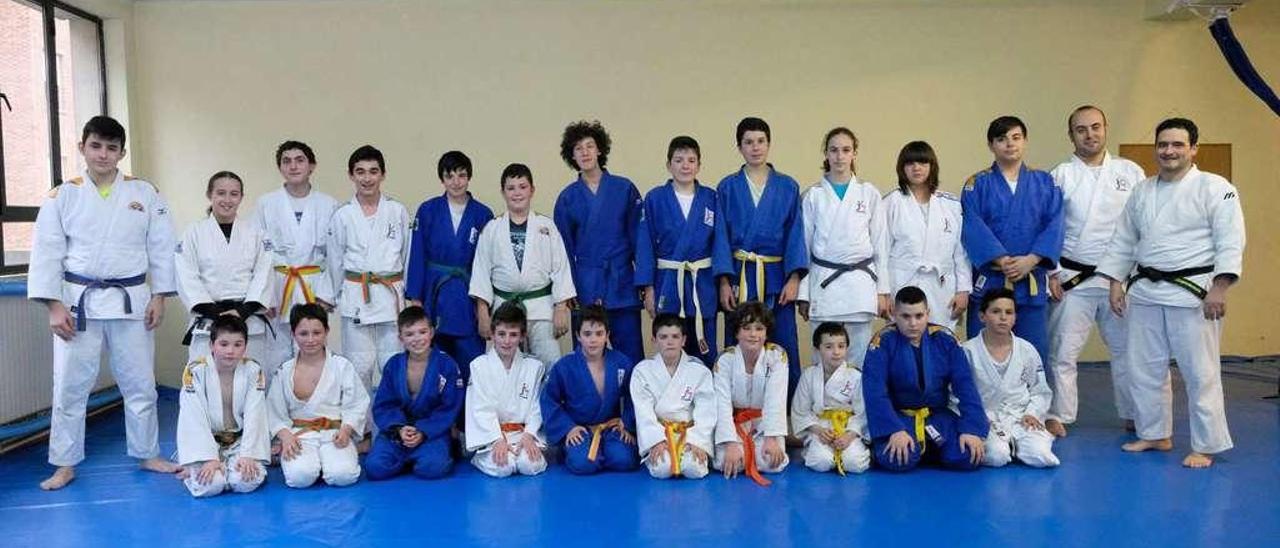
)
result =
(1179, 278)
(597, 432)
(839, 419)
(519, 297)
(692, 267)
(843, 268)
(1083, 273)
(509, 427)
(742, 417)
(294, 276)
(227, 438)
(366, 279)
(675, 432)
(447, 272)
(317, 424)
(920, 415)
(760, 260)
(94, 283)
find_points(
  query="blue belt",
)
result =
(94, 283)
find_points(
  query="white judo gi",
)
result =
(294, 231)
(1010, 391)
(925, 250)
(543, 280)
(122, 244)
(1171, 226)
(205, 434)
(367, 257)
(764, 390)
(679, 409)
(211, 269)
(340, 399)
(847, 245)
(1093, 199)
(503, 403)
(836, 404)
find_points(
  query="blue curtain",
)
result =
(1239, 61)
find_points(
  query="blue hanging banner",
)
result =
(1239, 61)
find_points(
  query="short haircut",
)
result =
(1193, 132)
(452, 161)
(666, 319)
(594, 313)
(105, 127)
(829, 329)
(1072, 117)
(515, 171)
(826, 166)
(294, 145)
(308, 311)
(921, 152)
(580, 130)
(511, 314)
(1002, 125)
(366, 153)
(411, 315)
(752, 123)
(683, 142)
(909, 295)
(995, 295)
(752, 312)
(227, 324)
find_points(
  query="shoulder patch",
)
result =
(77, 181)
(188, 374)
(782, 354)
(875, 339)
(730, 350)
(935, 329)
(973, 179)
(947, 195)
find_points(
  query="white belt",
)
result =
(692, 267)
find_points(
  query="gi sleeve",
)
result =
(1037, 385)
(1048, 243)
(355, 402)
(646, 255)
(1227, 220)
(161, 242)
(705, 421)
(388, 408)
(255, 437)
(335, 250)
(722, 384)
(1121, 254)
(973, 419)
(802, 404)
(795, 258)
(46, 267)
(194, 436)
(533, 421)
(649, 432)
(186, 265)
(481, 285)
(979, 241)
(773, 420)
(562, 288)
(277, 407)
(882, 417)
(810, 217)
(415, 285)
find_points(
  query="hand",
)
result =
(501, 450)
(698, 454)
(290, 447)
(248, 468)
(657, 451)
(1019, 267)
(575, 435)
(529, 445)
(733, 459)
(343, 438)
(1215, 302)
(826, 435)
(561, 319)
(650, 304)
(272, 312)
(155, 312)
(972, 445)
(900, 446)
(884, 306)
(235, 313)
(773, 451)
(803, 308)
(959, 304)
(483, 326)
(626, 436)
(410, 437)
(207, 471)
(60, 321)
(1055, 289)
(728, 295)
(1117, 297)
(841, 443)
(789, 290)
(1030, 422)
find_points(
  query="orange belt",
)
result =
(675, 432)
(317, 424)
(597, 432)
(293, 275)
(508, 427)
(365, 279)
(740, 418)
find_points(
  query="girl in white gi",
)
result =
(674, 399)
(318, 407)
(223, 270)
(1010, 377)
(503, 418)
(923, 237)
(828, 412)
(751, 399)
(223, 442)
(844, 232)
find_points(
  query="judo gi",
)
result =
(1010, 391)
(836, 404)
(679, 409)
(339, 399)
(432, 411)
(216, 275)
(503, 403)
(751, 407)
(569, 398)
(925, 250)
(204, 434)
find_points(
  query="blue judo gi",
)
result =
(569, 398)
(433, 411)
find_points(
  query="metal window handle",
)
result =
(6, 102)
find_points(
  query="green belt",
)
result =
(519, 297)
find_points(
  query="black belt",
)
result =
(1175, 277)
(840, 269)
(1083, 272)
(217, 310)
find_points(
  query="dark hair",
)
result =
(752, 312)
(995, 295)
(225, 324)
(913, 152)
(308, 311)
(594, 313)
(452, 161)
(752, 123)
(510, 314)
(1002, 125)
(208, 189)
(1180, 123)
(294, 145)
(1082, 108)
(411, 315)
(515, 171)
(826, 166)
(105, 127)
(366, 153)
(666, 319)
(909, 295)
(683, 142)
(829, 329)
(580, 130)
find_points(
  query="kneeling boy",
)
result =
(503, 419)
(751, 399)
(828, 412)
(675, 405)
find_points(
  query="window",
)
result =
(52, 80)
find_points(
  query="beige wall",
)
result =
(216, 85)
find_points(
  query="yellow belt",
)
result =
(760, 261)
(920, 415)
(840, 425)
(293, 275)
(692, 267)
(675, 433)
(1031, 281)
(597, 432)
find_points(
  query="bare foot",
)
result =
(1148, 445)
(1055, 427)
(1197, 460)
(157, 464)
(1129, 426)
(60, 478)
